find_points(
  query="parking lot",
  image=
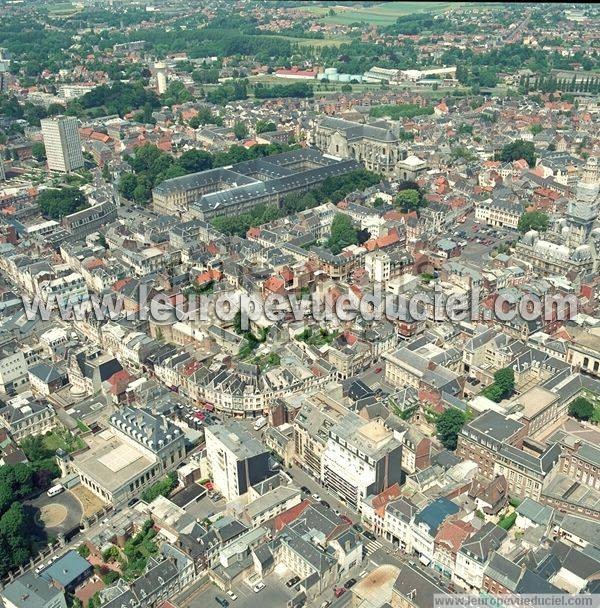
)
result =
(481, 239)
(275, 593)
(206, 507)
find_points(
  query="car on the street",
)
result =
(350, 583)
(369, 535)
(304, 490)
(221, 601)
(258, 587)
(292, 581)
(339, 591)
(232, 595)
(325, 604)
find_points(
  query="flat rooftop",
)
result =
(112, 462)
(535, 400)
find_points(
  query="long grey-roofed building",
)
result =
(238, 188)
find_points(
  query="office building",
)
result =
(63, 145)
(236, 459)
(361, 458)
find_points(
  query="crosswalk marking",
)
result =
(372, 546)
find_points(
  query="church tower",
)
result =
(584, 207)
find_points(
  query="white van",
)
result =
(260, 423)
(54, 490)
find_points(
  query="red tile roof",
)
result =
(287, 517)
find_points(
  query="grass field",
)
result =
(385, 13)
(62, 9)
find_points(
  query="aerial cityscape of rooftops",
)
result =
(299, 304)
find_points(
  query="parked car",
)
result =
(133, 501)
(339, 591)
(221, 601)
(292, 581)
(350, 583)
(346, 519)
(316, 496)
(305, 490)
(325, 504)
(358, 527)
(232, 595)
(369, 535)
(258, 587)
(325, 604)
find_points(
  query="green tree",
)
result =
(55, 204)
(409, 200)
(503, 385)
(536, 128)
(83, 550)
(534, 220)
(342, 233)
(240, 130)
(127, 185)
(263, 126)
(161, 488)
(38, 151)
(518, 150)
(194, 161)
(448, 427)
(581, 408)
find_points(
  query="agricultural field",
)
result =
(385, 13)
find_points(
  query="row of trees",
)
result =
(296, 89)
(403, 110)
(548, 83)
